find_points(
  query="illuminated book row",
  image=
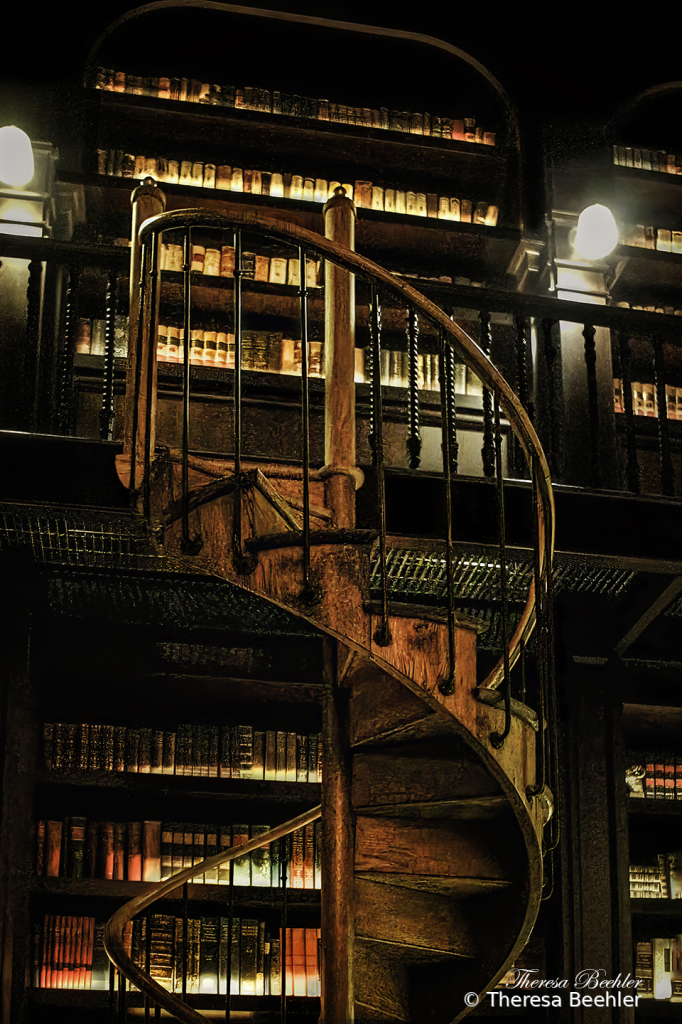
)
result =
(366, 194)
(654, 776)
(662, 880)
(152, 851)
(647, 159)
(198, 955)
(225, 751)
(658, 967)
(645, 399)
(647, 237)
(192, 90)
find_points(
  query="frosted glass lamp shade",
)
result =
(597, 234)
(16, 157)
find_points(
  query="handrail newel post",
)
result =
(342, 475)
(147, 201)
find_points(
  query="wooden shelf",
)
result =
(244, 896)
(156, 785)
(637, 805)
(668, 908)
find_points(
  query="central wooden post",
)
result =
(147, 201)
(338, 852)
(339, 363)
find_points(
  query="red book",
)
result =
(298, 960)
(45, 955)
(53, 848)
(69, 951)
(312, 972)
(58, 953)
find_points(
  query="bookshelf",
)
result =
(134, 826)
(654, 804)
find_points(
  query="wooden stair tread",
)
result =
(482, 808)
(460, 886)
(374, 1013)
(425, 771)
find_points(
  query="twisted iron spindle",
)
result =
(188, 545)
(451, 399)
(414, 441)
(540, 575)
(593, 403)
(447, 685)
(65, 416)
(383, 633)
(630, 441)
(497, 739)
(149, 332)
(488, 447)
(550, 354)
(667, 475)
(137, 383)
(32, 358)
(242, 564)
(106, 416)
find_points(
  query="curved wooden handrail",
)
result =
(113, 932)
(252, 219)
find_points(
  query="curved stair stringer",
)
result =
(416, 660)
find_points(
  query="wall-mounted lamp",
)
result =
(597, 234)
(16, 157)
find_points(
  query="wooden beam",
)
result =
(659, 606)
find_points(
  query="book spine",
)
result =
(134, 851)
(151, 851)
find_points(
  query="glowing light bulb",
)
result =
(16, 156)
(597, 234)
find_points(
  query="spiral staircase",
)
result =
(436, 790)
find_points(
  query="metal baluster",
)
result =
(185, 937)
(242, 564)
(188, 545)
(667, 475)
(593, 403)
(149, 325)
(383, 633)
(144, 259)
(488, 448)
(540, 575)
(230, 930)
(447, 686)
(414, 441)
(631, 445)
(65, 416)
(553, 714)
(451, 398)
(522, 364)
(550, 355)
(497, 739)
(32, 357)
(106, 416)
(308, 592)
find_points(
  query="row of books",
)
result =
(191, 90)
(662, 880)
(668, 310)
(216, 262)
(645, 399)
(366, 194)
(647, 237)
(658, 966)
(91, 338)
(152, 851)
(654, 776)
(196, 955)
(221, 751)
(647, 159)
